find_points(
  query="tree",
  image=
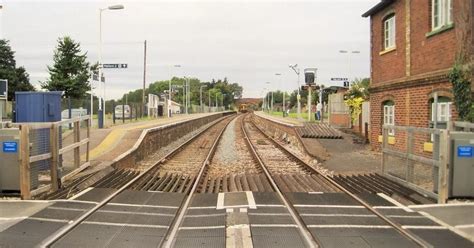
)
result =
(70, 72)
(18, 78)
(359, 88)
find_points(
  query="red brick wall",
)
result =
(435, 52)
(394, 60)
(411, 109)
(340, 120)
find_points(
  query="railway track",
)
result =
(197, 167)
(299, 167)
(125, 179)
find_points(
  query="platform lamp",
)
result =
(298, 96)
(101, 111)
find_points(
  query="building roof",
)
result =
(380, 6)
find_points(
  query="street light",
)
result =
(283, 91)
(298, 97)
(271, 102)
(102, 112)
(349, 61)
(200, 97)
(169, 90)
(222, 101)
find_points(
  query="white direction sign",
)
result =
(115, 66)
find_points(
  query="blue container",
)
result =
(39, 107)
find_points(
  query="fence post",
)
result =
(366, 132)
(77, 139)
(54, 148)
(443, 166)
(384, 146)
(88, 137)
(25, 180)
(409, 162)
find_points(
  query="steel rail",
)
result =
(48, 241)
(170, 237)
(408, 234)
(310, 240)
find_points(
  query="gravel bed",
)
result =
(159, 154)
(232, 155)
(276, 160)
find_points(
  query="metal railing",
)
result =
(404, 161)
(50, 146)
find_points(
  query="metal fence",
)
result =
(405, 161)
(50, 153)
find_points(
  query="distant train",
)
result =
(243, 108)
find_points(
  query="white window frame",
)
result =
(441, 13)
(442, 117)
(389, 117)
(389, 33)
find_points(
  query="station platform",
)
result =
(107, 144)
(239, 219)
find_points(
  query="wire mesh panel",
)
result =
(406, 160)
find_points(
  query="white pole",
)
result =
(309, 103)
(298, 97)
(1, 23)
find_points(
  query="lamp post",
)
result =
(169, 90)
(283, 91)
(101, 111)
(349, 61)
(209, 102)
(200, 97)
(222, 101)
(298, 96)
(217, 104)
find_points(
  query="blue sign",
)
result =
(465, 151)
(10, 146)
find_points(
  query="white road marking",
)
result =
(229, 210)
(207, 207)
(200, 227)
(220, 201)
(425, 227)
(251, 200)
(394, 202)
(50, 220)
(326, 206)
(202, 215)
(243, 210)
(75, 201)
(270, 206)
(440, 222)
(141, 205)
(363, 215)
(315, 193)
(442, 205)
(273, 225)
(270, 214)
(465, 226)
(123, 224)
(351, 226)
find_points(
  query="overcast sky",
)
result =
(245, 41)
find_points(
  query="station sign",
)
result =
(465, 151)
(10, 147)
(115, 66)
(339, 79)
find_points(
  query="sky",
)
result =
(246, 41)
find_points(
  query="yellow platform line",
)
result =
(117, 134)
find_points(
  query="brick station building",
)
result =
(414, 44)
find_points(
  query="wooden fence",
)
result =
(54, 154)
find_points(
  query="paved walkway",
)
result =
(458, 217)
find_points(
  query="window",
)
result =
(441, 13)
(389, 32)
(389, 116)
(444, 111)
